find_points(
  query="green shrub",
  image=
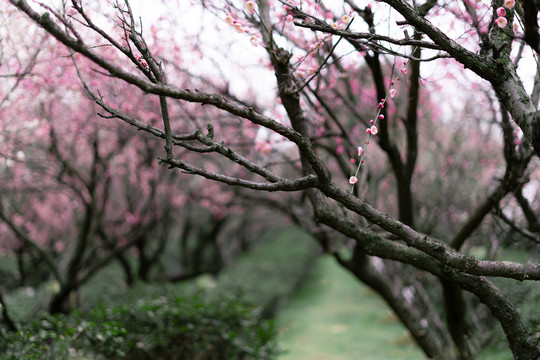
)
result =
(58, 337)
(150, 321)
(196, 326)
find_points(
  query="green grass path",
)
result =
(334, 317)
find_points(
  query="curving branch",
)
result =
(531, 216)
(436, 249)
(180, 139)
(523, 345)
(303, 183)
(351, 35)
(23, 236)
(498, 69)
(196, 96)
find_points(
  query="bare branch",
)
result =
(434, 248)
(351, 35)
(304, 183)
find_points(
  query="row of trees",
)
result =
(80, 190)
(439, 176)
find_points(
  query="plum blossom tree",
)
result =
(81, 191)
(403, 213)
(68, 179)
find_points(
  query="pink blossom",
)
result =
(346, 19)
(374, 130)
(509, 4)
(131, 218)
(253, 41)
(250, 7)
(141, 61)
(515, 26)
(381, 116)
(360, 151)
(501, 12)
(263, 146)
(353, 180)
(368, 131)
(238, 27)
(59, 246)
(266, 148)
(340, 149)
(501, 22)
(289, 18)
(392, 92)
(404, 71)
(228, 19)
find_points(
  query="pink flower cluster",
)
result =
(141, 61)
(372, 130)
(250, 7)
(263, 146)
(501, 20)
(241, 26)
(342, 23)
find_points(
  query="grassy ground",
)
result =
(333, 317)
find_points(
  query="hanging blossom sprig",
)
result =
(373, 130)
(501, 20)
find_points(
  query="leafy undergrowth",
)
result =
(192, 326)
(334, 317)
(169, 321)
